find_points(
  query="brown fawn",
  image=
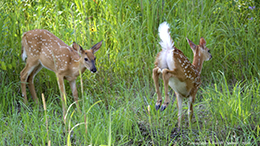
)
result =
(44, 49)
(177, 71)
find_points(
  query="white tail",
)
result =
(24, 56)
(177, 71)
(164, 33)
(43, 49)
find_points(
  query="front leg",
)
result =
(62, 94)
(74, 91)
(190, 104)
(179, 98)
(156, 73)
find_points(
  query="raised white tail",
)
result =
(164, 33)
(178, 72)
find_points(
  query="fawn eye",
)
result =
(209, 51)
(86, 59)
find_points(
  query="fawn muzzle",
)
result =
(93, 69)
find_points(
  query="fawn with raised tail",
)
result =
(177, 71)
(44, 49)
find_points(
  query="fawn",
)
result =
(177, 71)
(44, 49)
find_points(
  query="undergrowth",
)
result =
(118, 102)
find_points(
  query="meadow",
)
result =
(118, 102)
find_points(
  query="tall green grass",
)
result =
(227, 105)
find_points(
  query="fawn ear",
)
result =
(192, 45)
(77, 47)
(202, 42)
(96, 47)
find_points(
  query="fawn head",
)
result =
(200, 50)
(88, 55)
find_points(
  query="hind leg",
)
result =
(24, 74)
(156, 73)
(166, 75)
(31, 84)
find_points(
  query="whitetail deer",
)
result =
(177, 71)
(44, 49)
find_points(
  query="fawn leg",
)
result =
(166, 75)
(156, 73)
(31, 84)
(74, 92)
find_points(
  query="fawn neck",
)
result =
(197, 61)
(80, 65)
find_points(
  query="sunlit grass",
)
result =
(226, 107)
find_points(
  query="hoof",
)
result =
(157, 106)
(163, 107)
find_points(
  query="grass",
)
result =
(114, 102)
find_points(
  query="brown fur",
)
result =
(185, 72)
(44, 49)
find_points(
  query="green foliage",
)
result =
(231, 104)
(228, 101)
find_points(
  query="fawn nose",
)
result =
(93, 70)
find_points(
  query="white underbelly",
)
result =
(178, 86)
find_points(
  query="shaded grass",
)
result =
(126, 121)
(130, 124)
